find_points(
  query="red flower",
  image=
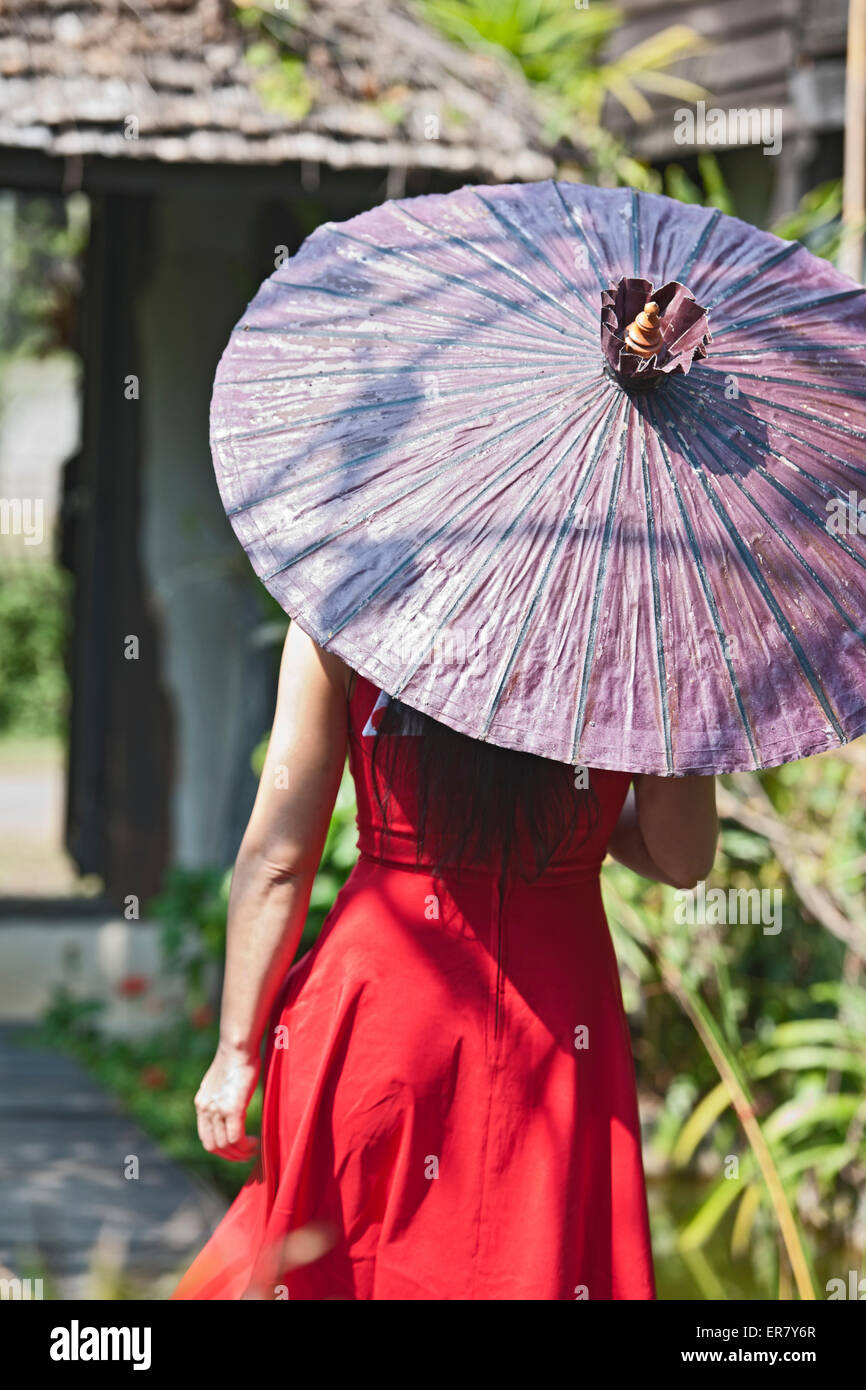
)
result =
(154, 1077)
(133, 985)
(202, 1016)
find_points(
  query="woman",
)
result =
(449, 1095)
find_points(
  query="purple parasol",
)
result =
(573, 470)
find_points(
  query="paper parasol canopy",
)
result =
(573, 470)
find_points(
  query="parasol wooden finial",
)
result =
(644, 337)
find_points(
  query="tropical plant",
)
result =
(775, 1110)
(817, 222)
(42, 241)
(33, 622)
(712, 191)
(560, 50)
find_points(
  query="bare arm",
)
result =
(273, 877)
(668, 829)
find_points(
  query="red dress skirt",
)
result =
(448, 1087)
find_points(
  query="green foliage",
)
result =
(33, 624)
(712, 190)
(559, 50)
(41, 244)
(553, 44)
(814, 1120)
(191, 910)
(817, 221)
(281, 77)
(777, 1080)
(74, 1019)
(281, 80)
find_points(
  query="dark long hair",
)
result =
(477, 802)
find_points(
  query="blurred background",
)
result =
(157, 160)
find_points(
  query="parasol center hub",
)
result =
(648, 334)
(644, 336)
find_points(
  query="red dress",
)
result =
(466, 1128)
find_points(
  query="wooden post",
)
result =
(120, 729)
(854, 209)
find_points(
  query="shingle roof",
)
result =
(382, 89)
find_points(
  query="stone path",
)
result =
(67, 1212)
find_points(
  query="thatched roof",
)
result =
(347, 83)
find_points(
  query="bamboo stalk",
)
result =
(701, 1019)
(742, 1103)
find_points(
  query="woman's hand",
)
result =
(221, 1103)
